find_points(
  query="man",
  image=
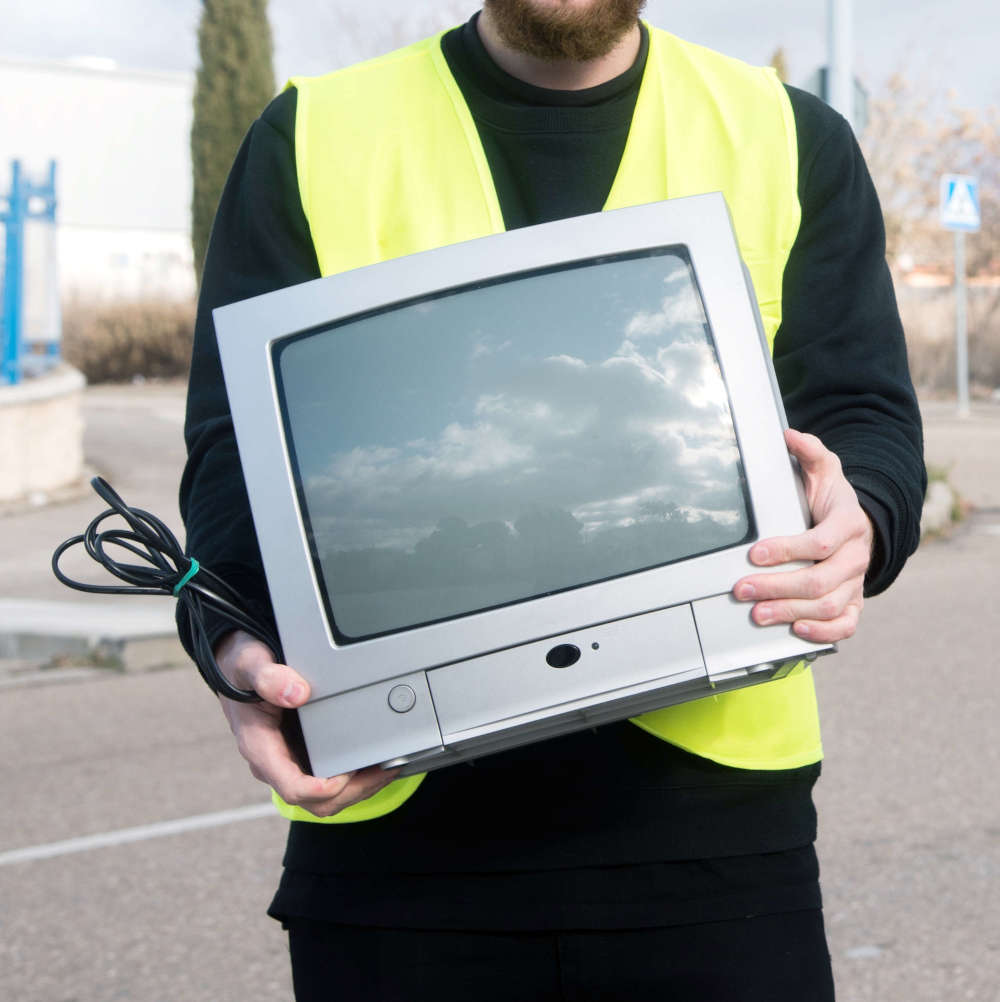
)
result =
(672, 862)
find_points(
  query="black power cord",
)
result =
(166, 570)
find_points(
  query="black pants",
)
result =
(771, 958)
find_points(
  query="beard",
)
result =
(557, 32)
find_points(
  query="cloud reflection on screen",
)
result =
(512, 440)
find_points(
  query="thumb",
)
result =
(250, 664)
(279, 685)
(807, 449)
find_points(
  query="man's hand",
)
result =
(249, 664)
(822, 602)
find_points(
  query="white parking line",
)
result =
(140, 833)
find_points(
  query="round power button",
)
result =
(402, 698)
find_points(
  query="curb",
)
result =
(121, 634)
(18, 675)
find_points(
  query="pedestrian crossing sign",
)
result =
(959, 202)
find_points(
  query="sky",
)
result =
(938, 46)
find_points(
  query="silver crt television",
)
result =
(503, 489)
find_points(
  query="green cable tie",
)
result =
(193, 569)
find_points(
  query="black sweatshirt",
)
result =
(610, 827)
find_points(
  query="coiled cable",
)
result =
(166, 570)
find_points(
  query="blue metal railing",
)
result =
(27, 200)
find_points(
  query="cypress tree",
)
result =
(235, 81)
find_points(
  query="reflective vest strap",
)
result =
(389, 161)
(770, 726)
(705, 122)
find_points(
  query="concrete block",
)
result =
(41, 433)
(938, 505)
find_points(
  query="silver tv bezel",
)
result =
(247, 332)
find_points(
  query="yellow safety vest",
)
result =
(390, 163)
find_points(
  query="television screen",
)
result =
(510, 439)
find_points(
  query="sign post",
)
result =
(959, 212)
(840, 49)
(27, 201)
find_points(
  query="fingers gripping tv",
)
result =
(503, 489)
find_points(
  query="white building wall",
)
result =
(121, 142)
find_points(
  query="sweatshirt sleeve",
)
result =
(839, 354)
(260, 242)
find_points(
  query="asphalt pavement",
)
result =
(137, 855)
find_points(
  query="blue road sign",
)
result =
(960, 202)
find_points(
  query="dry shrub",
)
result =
(120, 341)
(915, 134)
(929, 320)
